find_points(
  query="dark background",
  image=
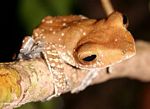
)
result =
(19, 17)
(14, 27)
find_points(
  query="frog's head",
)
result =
(88, 43)
(101, 43)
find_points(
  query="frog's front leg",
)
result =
(87, 80)
(30, 48)
(26, 47)
(55, 66)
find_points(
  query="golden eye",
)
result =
(89, 58)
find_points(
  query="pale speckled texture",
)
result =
(64, 41)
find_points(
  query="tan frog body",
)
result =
(76, 43)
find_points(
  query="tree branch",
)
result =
(30, 80)
(134, 68)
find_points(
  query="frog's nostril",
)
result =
(89, 58)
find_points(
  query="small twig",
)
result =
(108, 8)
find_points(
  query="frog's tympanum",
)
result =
(76, 43)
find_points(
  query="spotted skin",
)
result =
(55, 66)
(53, 61)
(65, 41)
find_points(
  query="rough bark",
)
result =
(30, 80)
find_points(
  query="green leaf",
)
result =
(31, 12)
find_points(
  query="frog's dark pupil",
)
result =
(89, 58)
(125, 19)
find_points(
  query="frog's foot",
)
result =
(30, 48)
(26, 47)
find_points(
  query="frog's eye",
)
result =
(86, 54)
(125, 20)
(89, 58)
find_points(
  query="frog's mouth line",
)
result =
(75, 67)
(78, 68)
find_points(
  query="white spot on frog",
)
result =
(84, 33)
(54, 32)
(62, 34)
(49, 21)
(53, 64)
